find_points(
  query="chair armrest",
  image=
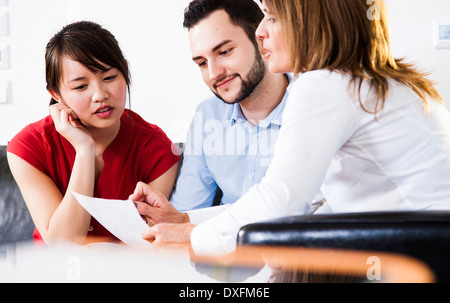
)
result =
(424, 235)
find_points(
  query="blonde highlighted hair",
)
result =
(343, 35)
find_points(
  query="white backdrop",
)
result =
(166, 85)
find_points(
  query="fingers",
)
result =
(63, 115)
(146, 212)
(167, 233)
(142, 202)
(149, 221)
(149, 235)
(61, 107)
(55, 112)
(73, 119)
(140, 192)
(143, 208)
(144, 193)
(137, 195)
(155, 207)
(153, 215)
(155, 235)
(71, 128)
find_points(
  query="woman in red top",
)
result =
(90, 144)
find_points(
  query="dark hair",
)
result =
(87, 43)
(243, 13)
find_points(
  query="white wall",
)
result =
(166, 86)
(411, 24)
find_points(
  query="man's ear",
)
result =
(56, 96)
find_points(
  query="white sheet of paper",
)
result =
(120, 217)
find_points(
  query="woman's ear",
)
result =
(55, 96)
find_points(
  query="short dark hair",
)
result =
(87, 43)
(243, 13)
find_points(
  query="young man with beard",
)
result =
(232, 135)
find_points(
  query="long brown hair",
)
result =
(87, 43)
(344, 35)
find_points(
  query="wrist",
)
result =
(87, 149)
(187, 232)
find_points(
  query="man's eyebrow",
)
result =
(217, 47)
(220, 45)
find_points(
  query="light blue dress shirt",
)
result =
(224, 150)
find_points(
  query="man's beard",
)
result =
(254, 78)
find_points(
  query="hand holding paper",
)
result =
(155, 207)
(120, 217)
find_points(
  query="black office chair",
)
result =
(16, 224)
(423, 235)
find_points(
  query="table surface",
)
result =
(107, 262)
(113, 263)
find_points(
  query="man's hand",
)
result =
(168, 234)
(154, 207)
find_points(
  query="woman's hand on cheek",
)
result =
(69, 126)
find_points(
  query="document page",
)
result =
(120, 217)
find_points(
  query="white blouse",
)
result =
(398, 160)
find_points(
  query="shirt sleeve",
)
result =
(195, 187)
(163, 155)
(317, 122)
(198, 216)
(27, 145)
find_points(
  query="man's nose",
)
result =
(216, 70)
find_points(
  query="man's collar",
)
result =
(273, 118)
(237, 115)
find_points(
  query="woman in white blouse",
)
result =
(368, 130)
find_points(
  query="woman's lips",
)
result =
(265, 53)
(104, 112)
